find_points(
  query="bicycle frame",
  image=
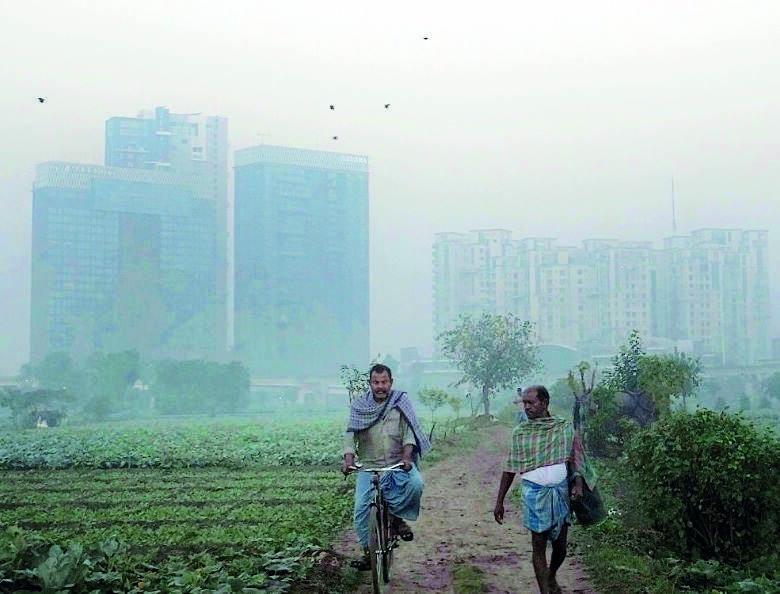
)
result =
(382, 538)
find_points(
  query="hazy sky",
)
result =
(565, 120)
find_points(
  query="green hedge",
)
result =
(708, 481)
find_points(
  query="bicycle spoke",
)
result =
(375, 549)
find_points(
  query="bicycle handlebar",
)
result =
(395, 467)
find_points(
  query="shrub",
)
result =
(707, 481)
(607, 430)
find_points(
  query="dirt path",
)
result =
(456, 531)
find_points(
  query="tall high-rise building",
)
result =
(709, 290)
(301, 260)
(193, 147)
(123, 259)
(720, 284)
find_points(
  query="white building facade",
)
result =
(708, 292)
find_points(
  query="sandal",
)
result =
(403, 530)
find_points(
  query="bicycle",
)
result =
(382, 537)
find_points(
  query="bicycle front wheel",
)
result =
(387, 545)
(375, 547)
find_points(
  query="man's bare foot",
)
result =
(402, 529)
(552, 585)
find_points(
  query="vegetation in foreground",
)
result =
(694, 506)
(168, 444)
(223, 507)
(241, 506)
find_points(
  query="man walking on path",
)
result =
(382, 431)
(544, 450)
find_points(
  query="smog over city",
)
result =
(219, 216)
(567, 121)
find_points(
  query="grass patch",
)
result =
(468, 579)
(463, 437)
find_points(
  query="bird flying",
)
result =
(41, 99)
(332, 107)
(387, 106)
(335, 138)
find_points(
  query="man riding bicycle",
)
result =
(383, 430)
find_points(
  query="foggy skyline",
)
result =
(566, 121)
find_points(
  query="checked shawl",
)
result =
(546, 441)
(366, 411)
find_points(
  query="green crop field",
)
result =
(177, 507)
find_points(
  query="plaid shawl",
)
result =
(366, 411)
(546, 441)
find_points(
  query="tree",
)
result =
(198, 386)
(44, 404)
(355, 381)
(635, 393)
(650, 381)
(432, 399)
(55, 372)
(624, 375)
(455, 403)
(665, 376)
(493, 351)
(110, 375)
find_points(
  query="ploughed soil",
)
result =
(458, 546)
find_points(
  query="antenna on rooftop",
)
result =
(674, 215)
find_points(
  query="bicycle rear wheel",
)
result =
(375, 547)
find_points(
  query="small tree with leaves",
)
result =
(433, 399)
(636, 392)
(355, 381)
(455, 402)
(494, 351)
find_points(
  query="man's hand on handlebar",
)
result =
(348, 465)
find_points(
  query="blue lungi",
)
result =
(401, 490)
(545, 508)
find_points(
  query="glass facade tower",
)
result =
(301, 261)
(123, 259)
(192, 146)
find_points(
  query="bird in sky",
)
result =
(387, 106)
(41, 99)
(335, 137)
(332, 107)
(426, 37)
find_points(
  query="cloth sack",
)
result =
(590, 509)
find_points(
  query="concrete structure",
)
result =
(191, 146)
(301, 261)
(720, 283)
(123, 259)
(708, 292)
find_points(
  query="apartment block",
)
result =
(709, 289)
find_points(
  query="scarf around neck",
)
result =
(365, 412)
